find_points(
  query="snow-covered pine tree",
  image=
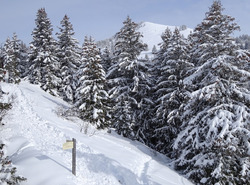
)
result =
(169, 90)
(44, 65)
(158, 59)
(19, 53)
(106, 59)
(166, 38)
(1, 65)
(91, 97)
(244, 41)
(4, 107)
(69, 58)
(128, 43)
(212, 35)
(155, 72)
(11, 58)
(23, 65)
(142, 101)
(7, 171)
(213, 146)
(129, 80)
(154, 50)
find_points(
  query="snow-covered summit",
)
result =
(152, 32)
(151, 35)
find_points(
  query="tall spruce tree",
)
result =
(91, 97)
(169, 90)
(129, 80)
(44, 65)
(69, 58)
(155, 72)
(213, 146)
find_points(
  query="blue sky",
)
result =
(103, 18)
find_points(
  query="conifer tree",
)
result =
(69, 58)
(23, 65)
(106, 59)
(169, 90)
(44, 66)
(7, 171)
(129, 80)
(11, 57)
(91, 97)
(160, 56)
(154, 50)
(1, 65)
(213, 35)
(166, 39)
(213, 146)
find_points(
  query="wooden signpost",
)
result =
(68, 145)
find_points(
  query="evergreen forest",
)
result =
(190, 102)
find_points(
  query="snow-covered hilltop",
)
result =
(151, 34)
(34, 135)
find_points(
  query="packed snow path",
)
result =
(34, 135)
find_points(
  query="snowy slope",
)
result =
(151, 36)
(152, 33)
(34, 135)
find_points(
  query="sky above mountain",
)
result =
(103, 18)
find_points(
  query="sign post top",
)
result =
(68, 145)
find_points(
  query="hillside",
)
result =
(34, 135)
(151, 35)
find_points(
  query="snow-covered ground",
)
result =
(34, 135)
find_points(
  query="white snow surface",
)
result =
(34, 135)
(152, 33)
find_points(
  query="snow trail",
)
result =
(34, 136)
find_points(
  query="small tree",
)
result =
(7, 171)
(154, 50)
